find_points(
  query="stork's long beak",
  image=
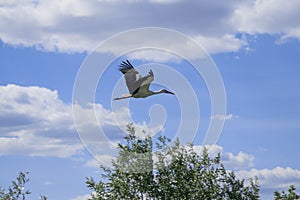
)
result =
(168, 92)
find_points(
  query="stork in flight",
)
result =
(138, 86)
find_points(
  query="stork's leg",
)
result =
(124, 97)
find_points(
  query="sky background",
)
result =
(44, 44)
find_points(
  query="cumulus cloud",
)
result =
(278, 178)
(240, 161)
(76, 26)
(231, 161)
(268, 16)
(34, 121)
(224, 43)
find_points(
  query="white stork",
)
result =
(137, 85)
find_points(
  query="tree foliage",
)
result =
(17, 191)
(168, 171)
(290, 195)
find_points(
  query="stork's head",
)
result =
(166, 91)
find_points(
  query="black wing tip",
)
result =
(125, 66)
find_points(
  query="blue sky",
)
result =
(44, 45)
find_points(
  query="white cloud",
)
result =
(268, 16)
(82, 197)
(224, 43)
(224, 117)
(164, 1)
(240, 161)
(231, 161)
(76, 26)
(278, 178)
(154, 55)
(35, 122)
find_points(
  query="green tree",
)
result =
(291, 195)
(17, 190)
(170, 171)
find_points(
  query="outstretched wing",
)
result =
(133, 78)
(126, 66)
(145, 83)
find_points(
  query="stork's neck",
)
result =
(150, 92)
(155, 92)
